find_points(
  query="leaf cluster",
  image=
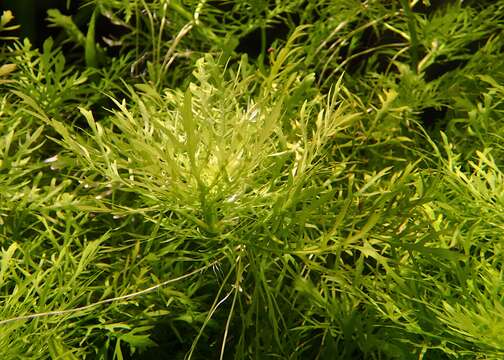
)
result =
(335, 193)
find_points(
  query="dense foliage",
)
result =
(258, 179)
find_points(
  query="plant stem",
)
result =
(413, 34)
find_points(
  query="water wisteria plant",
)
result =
(253, 180)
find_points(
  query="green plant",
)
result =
(335, 193)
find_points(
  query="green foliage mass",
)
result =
(334, 190)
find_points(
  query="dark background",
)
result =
(31, 15)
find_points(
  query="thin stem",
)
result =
(413, 34)
(106, 301)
